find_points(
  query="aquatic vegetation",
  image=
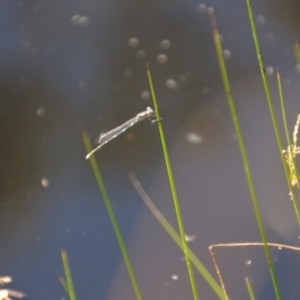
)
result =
(288, 161)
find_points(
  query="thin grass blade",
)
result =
(262, 68)
(236, 122)
(65, 285)
(69, 286)
(250, 289)
(173, 187)
(293, 167)
(112, 215)
(297, 53)
(176, 237)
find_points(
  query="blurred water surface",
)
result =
(62, 62)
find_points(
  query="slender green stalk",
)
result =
(242, 146)
(297, 53)
(176, 237)
(65, 285)
(112, 215)
(282, 105)
(69, 286)
(267, 88)
(173, 187)
(293, 167)
(250, 288)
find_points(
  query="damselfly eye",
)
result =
(149, 110)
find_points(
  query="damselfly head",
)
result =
(149, 110)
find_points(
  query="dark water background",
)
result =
(57, 68)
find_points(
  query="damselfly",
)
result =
(104, 138)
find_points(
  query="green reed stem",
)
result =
(297, 53)
(268, 95)
(242, 146)
(176, 237)
(112, 215)
(250, 289)
(266, 83)
(173, 187)
(69, 286)
(65, 285)
(293, 168)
